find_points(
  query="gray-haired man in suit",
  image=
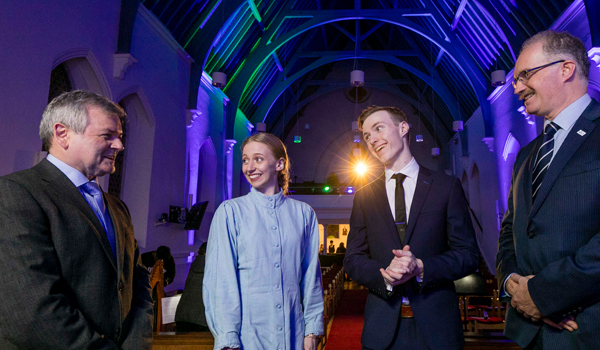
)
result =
(548, 263)
(71, 274)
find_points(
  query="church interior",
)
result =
(196, 77)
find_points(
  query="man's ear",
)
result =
(61, 135)
(280, 164)
(568, 70)
(404, 128)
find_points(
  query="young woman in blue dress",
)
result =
(262, 286)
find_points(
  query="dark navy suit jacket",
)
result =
(557, 239)
(439, 232)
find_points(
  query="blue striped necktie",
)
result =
(543, 157)
(97, 204)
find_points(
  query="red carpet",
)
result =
(348, 321)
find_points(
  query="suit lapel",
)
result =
(119, 230)
(382, 206)
(424, 181)
(63, 188)
(584, 125)
(526, 174)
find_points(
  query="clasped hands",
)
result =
(521, 300)
(403, 267)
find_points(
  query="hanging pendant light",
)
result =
(357, 78)
(219, 79)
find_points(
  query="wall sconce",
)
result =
(457, 125)
(498, 78)
(261, 127)
(219, 79)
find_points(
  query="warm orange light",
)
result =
(361, 168)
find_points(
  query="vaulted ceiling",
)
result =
(277, 54)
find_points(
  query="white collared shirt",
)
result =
(411, 170)
(566, 119)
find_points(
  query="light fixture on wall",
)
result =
(457, 125)
(356, 138)
(498, 78)
(219, 79)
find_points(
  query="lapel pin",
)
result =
(581, 132)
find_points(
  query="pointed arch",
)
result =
(137, 163)
(84, 71)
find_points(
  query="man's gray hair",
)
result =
(71, 110)
(562, 45)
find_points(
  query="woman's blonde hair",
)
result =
(279, 152)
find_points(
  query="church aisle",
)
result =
(348, 321)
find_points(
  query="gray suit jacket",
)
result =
(61, 285)
(557, 238)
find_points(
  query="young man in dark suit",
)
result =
(72, 276)
(410, 237)
(548, 263)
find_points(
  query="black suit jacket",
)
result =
(439, 233)
(191, 307)
(557, 239)
(62, 287)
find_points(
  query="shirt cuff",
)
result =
(504, 292)
(315, 328)
(228, 340)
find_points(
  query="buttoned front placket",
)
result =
(277, 276)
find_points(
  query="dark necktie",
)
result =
(400, 217)
(543, 157)
(97, 204)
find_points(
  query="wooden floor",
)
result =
(204, 341)
(183, 341)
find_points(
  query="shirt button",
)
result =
(279, 306)
(276, 245)
(121, 286)
(271, 212)
(276, 285)
(279, 329)
(276, 265)
(274, 227)
(271, 199)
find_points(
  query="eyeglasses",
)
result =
(524, 76)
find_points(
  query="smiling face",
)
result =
(542, 93)
(386, 140)
(94, 151)
(261, 168)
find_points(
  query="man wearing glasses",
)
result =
(548, 263)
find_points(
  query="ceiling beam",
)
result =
(403, 53)
(267, 103)
(457, 15)
(453, 49)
